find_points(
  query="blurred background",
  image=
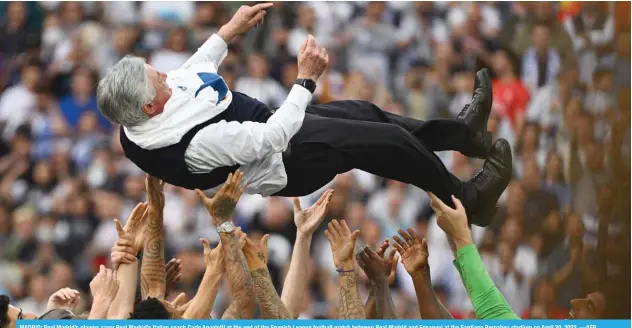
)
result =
(561, 81)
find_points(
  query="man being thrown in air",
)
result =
(188, 129)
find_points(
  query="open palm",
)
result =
(414, 252)
(308, 220)
(342, 242)
(135, 227)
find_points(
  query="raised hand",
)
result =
(104, 286)
(256, 255)
(213, 257)
(174, 273)
(134, 229)
(312, 60)
(342, 243)
(392, 258)
(308, 220)
(452, 221)
(244, 20)
(377, 268)
(123, 253)
(64, 298)
(221, 206)
(414, 252)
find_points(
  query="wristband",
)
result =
(343, 270)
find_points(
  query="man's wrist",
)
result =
(346, 266)
(462, 241)
(227, 33)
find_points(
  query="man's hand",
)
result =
(452, 221)
(64, 298)
(244, 19)
(342, 243)
(221, 206)
(377, 269)
(174, 273)
(394, 259)
(256, 255)
(213, 257)
(134, 229)
(312, 60)
(123, 253)
(414, 253)
(308, 220)
(104, 286)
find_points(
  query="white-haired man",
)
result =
(187, 128)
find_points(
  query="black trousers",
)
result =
(343, 135)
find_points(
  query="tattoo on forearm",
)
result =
(267, 297)
(351, 303)
(153, 275)
(239, 278)
(223, 207)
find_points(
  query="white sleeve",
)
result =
(231, 143)
(213, 51)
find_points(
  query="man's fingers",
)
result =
(408, 238)
(262, 6)
(399, 248)
(200, 195)
(329, 236)
(457, 204)
(102, 269)
(119, 228)
(413, 234)
(371, 254)
(297, 204)
(257, 18)
(424, 245)
(322, 197)
(332, 229)
(354, 236)
(264, 241)
(303, 47)
(360, 261)
(311, 43)
(400, 242)
(179, 300)
(391, 255)
(345, 227)
(122, 242)
(205, 244)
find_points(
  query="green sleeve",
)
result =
(488, 301)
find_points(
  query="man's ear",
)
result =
(149, 109)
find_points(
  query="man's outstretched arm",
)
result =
(202, 303)
(152, 271)
(414, 253)
(488, 301)
(221, 208)
(214, 50)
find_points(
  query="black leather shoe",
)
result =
(491, 182)
(475, 114)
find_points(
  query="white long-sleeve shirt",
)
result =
(257, 147)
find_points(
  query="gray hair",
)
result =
(124, 91)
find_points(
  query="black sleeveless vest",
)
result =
(168, 163)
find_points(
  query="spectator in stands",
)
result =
(258, 83)
(18, 102)
(540, 62)
(543, 305)
(174, 53)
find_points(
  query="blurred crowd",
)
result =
(561, 83)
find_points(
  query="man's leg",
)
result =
(466, 134)
(325, 147)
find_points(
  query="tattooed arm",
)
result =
(221, 208)
(342, 243)
(257, 259)
(152, 270)
(414, 253)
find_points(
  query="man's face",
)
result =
(159, 81)
(540, 38)
(593, 306)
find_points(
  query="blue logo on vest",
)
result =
(214, 81)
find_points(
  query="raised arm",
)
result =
(232, 143)
(342, 243)
(152, 270)
(414, 255)
(221, 208)
(202, 303)
(257, 259)
(306, 221)
(214, 50)
(488, 301)
(127, 269)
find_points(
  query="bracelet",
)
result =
(343, 270)
(139, 256)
